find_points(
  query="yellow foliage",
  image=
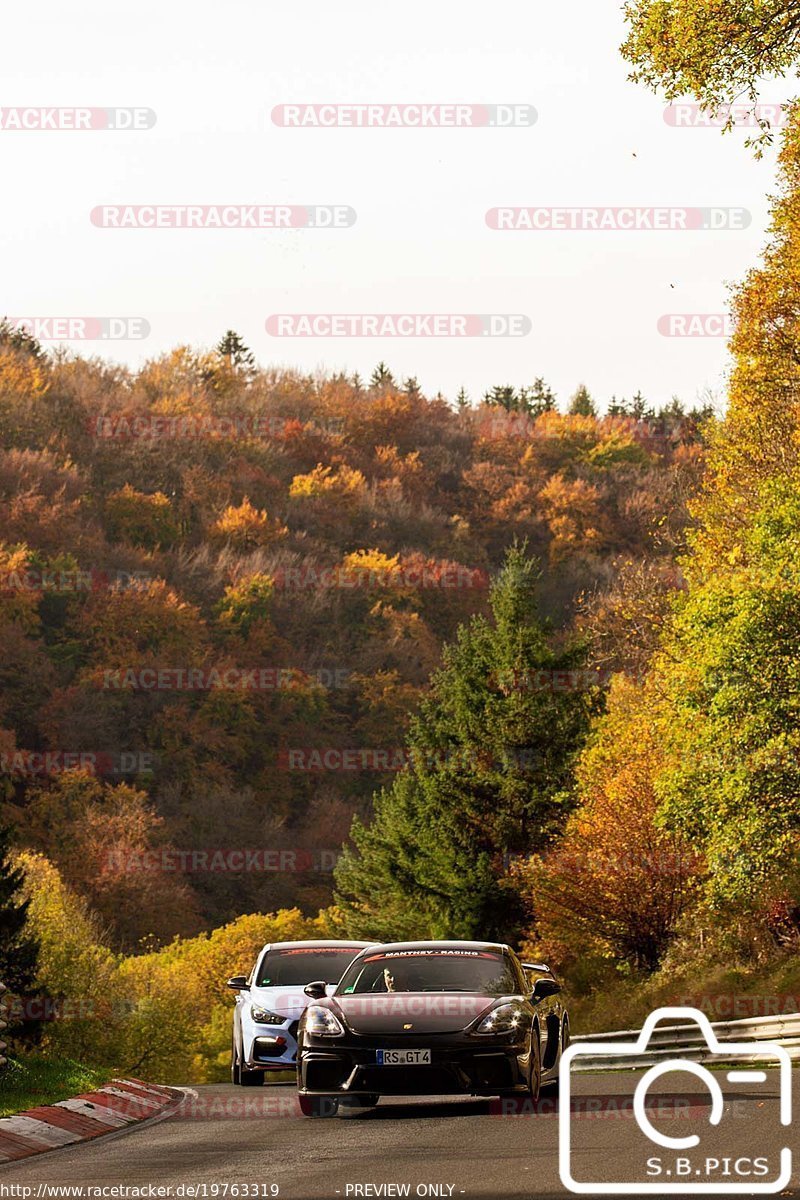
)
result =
(246, 527)
(324, 481)
(21, 375)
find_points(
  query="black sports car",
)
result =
(431, 1018)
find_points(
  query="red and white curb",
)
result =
(120, 1103)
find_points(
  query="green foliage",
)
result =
(236, 354)
(732, 669)
(18, 948)
(37, 1079)
(489, 765)
(144, 520)
(581, 403)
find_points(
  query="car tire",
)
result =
(535, 1072)
(318, 1106)
(551, 1090)
(236, 1066)
(251, 1078)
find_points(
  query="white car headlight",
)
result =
(321, 1022)
(506, 1018)
(262, 1016)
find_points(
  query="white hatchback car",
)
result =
(271, 1000)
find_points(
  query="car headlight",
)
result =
(506, 1018)
(321, 1022)
(262, 1016)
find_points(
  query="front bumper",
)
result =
(271, 1047)
(455, 1069)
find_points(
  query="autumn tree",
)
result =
(715, 52)
(618, 882)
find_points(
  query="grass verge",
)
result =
(33, 1080)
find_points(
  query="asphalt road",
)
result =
(468, 1148)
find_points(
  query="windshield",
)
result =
(429, 970)
(305, 964)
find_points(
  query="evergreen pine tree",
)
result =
(18, 951)
(582, 404)
(237, 355)
(489, 771)
(381, 377)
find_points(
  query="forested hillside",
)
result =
(218, 579)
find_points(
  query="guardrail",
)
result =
(686, 1040)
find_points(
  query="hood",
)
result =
(425, 1012)
(287, 1001)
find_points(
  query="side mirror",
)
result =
(317, 990)
(238, 983)
(544, 988)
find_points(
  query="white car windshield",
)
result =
(304, 964)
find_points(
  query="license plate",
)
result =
(404, 1058)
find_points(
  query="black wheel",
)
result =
(251, 1078)
(236, 1066)
(318, 1106)
(535, 1073)
(551, 1088)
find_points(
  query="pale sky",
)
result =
(213, 73)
